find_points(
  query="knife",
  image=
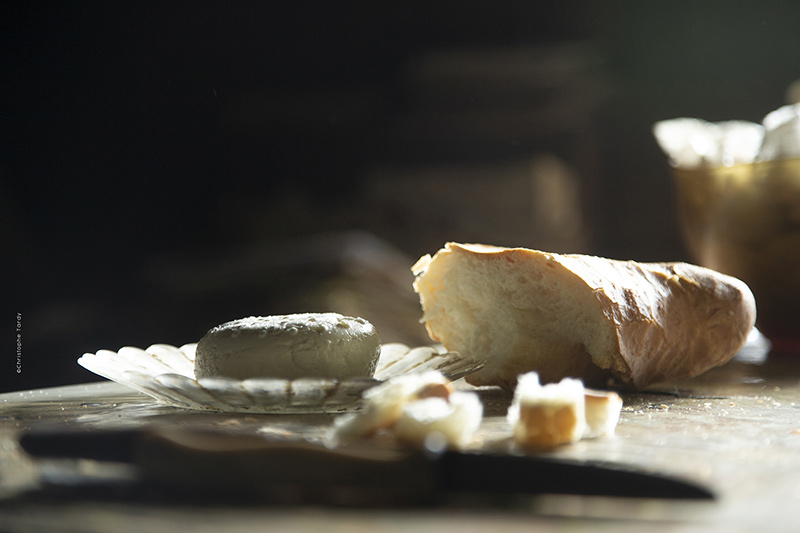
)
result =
(214, 464)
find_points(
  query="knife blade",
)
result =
(217, 463)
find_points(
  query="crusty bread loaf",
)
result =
(322, 345)
(580, 316)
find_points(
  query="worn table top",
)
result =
(734, 430)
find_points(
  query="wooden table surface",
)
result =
(734, 430)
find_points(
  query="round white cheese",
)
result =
(323, 345)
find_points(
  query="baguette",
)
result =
(580, 316)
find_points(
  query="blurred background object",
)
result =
(165, 167)
(744, 220)
(738, 199)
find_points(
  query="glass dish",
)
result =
(166, 373)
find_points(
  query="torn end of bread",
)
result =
(583, 316)
(547, 415)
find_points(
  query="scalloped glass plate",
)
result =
(166, 373)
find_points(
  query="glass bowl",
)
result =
(744, 220)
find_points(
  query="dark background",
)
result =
(168, 166)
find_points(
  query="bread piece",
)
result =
(323, 345)
(437, 422)
(580, 316)
(421, 409)
(383, 404)
(547, 415)
(602, 413)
